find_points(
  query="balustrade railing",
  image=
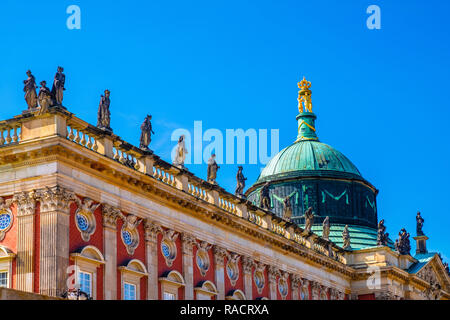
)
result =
(10, 133)
(82, 137)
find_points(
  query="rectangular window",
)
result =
(3, 279)
(168, 296)
(129, 291)
(85, 281)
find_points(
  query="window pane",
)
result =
(85, 281)
(3, 279)
(168, 296)
(129, 291)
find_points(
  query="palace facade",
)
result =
(82, 208)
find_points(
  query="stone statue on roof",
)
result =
(326, 228)
(146, 133)
(382, 237)
(45, 98)
(240, 179)
(212, 169)
(180, 153)
(58, 86)
(265, 196)
(104, 115)
(30, 91)
(346, 238)
(309, 219)
(402, 244)
(419, 221)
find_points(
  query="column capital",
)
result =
(55, 199)
(273, 272)
(296, 281)
(110, 215)
(151, 230)
(26, 203)
(188, 241)
(219, 255)
(247, 264)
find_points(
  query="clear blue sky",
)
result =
(381, 96)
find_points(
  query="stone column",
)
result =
(26, 206)
(296, 282)
(219, 259)
(247, 266)
(273, 272)
(110, 215)
(151, 246)
(54, 239)
(188, 269)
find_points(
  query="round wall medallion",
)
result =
(82, 222)
(283, 287)
(232, 271)
(169, 251)
(5, 221)
(202, 261)
(259, 280)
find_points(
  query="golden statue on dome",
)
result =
(304, 96)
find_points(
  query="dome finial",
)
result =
(304, 96)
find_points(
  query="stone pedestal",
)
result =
(421, 244)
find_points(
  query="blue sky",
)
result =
(381, 96)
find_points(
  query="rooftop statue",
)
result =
(346, 238)
(402, 244)
(287, 207)
(212, 169)
(304, 96)
(419, 226)
(180, 154)
(326, 228)
(382, 237)
(30, 91)
(104, 116)
(240, 179)
(44, 97)
(265, 197)
(309, 219)
(58, 86)
(146, 133)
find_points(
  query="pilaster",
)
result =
(247, 266)
(273, 272)
(188, 242)
(54, 239)
(26, 205)
(219, 259)
(151, 246)
(109, 216)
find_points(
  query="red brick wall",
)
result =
(370, 296)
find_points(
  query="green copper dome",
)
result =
(306, 156)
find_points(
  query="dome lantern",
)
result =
(306, 118)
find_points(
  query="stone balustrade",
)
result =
(110, 145)
(9, 133)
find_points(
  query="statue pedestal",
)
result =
(421, 244)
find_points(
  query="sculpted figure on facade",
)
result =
(309, 220)
(45, 98)
(402, 244)
(180, 153)
(212, 169)
(103, 114)
(265, 197)
(58, 86)
(326, 228)
(240, 179)
(85, 214)
(146, 133)
(382, 237)
(30, 91)
(346, 238)
(419, 224)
